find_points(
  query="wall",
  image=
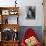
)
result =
(22, 4)
(22, 18)
(39, 13)
(37, 30)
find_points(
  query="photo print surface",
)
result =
(30, 11)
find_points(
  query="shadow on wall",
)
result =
(37, 29)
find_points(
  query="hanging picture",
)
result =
(30, 11)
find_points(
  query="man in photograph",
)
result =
(31, 13)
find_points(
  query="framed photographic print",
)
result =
(31, 10)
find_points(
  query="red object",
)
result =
(29, 33)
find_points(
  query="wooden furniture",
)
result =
(44, 9)
(5, 12)
(44, 35)
(0, 43)
(5, 23)
(10, 43)
(11, 26)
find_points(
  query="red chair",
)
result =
(29, 33)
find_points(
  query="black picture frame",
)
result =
(31, 12)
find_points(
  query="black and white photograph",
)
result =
(31, 10)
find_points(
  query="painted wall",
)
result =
(22, 4)
(39, 13)
(37, 29)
